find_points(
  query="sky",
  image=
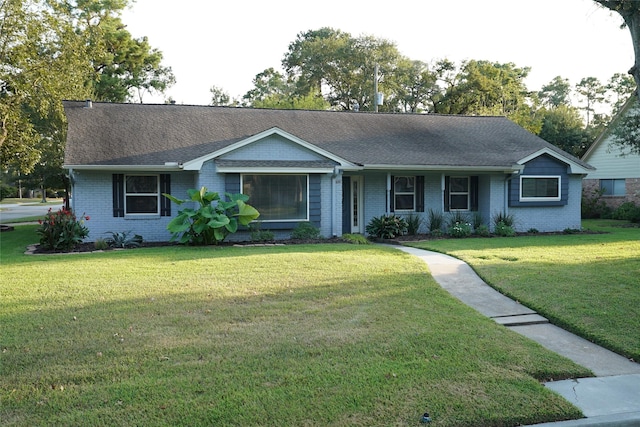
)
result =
(226, 43)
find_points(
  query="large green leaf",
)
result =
(232, 227)
(218, 221)
(236, 197)
(173, 199)
(246, 213)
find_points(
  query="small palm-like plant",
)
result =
(124, 240)
(386, 226)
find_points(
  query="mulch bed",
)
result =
(90, 246)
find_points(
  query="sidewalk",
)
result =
(612, 398)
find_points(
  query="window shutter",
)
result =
(165, 187)
(446, 194)
(474, 193)
(118, 195)
(419, 193)
(392, 195)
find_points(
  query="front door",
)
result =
(355, 205)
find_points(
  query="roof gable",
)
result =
(606, 133)
(320, 154)
(575, 167)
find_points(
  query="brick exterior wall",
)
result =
(632, 190)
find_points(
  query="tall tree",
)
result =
(219, 97)
(339, 67)
(125, 68)
(626, 132)
(64, 49)
(555, 93)
(563, 127)
(621, 86)
(313, 58)
(412, 87)
(629, 10)
(42, 60)
(483, 87)
(592, 93)
(273, 90)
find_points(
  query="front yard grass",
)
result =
(586, 283)
(331, 334)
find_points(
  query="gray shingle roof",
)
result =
(144, 134)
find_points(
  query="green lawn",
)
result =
(330, 334)
(587, 283)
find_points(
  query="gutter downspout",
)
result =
(387, 209)
(506, 190)
(442, 194)
(72, 185)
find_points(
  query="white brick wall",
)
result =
(92, 195)
(553, 218)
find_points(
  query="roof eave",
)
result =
(274, 170)
(165, 167)
(442, 168)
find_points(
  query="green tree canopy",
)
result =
(563, 127)
(67, 49)
(42, 60)
(556, 93)
(335, 65)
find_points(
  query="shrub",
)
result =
(483, 230)
(305, 231)
(386, 227)
(259, 235)
(533, 231)
(460, 229)
(356, 239)
(456, 217)
(100, 244)
(627, 211)
(504, 230)
(504, 218)
(477, 220)
(213, 220)
(124, 240)
(61, 230)
(593, 206)
(7, 191)
(436, 221)
(414, 222)
(571, 230)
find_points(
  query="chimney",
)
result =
(88, 104)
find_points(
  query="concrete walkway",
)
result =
(612, 398)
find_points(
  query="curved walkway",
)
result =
(612, 398)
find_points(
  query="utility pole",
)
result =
(375, 89)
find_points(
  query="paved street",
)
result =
(27, 209)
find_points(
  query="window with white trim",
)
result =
(142, 194)
(539, 188)
(404, 193)
(278, 197)
(459, 199)
(613, 187)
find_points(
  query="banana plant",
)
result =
(213, 220)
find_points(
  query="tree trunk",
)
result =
(630, 12)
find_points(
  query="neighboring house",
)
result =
(336, 170)
(617, 175)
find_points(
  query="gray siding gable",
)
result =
(273, 147)
(541, 165)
